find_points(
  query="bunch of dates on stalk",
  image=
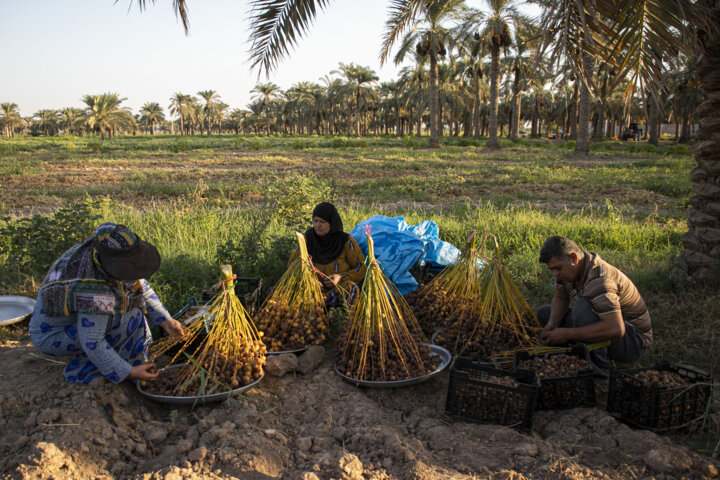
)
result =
(393, 368)
(222, 373)
(287, 327)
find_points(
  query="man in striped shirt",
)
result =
(606, 305)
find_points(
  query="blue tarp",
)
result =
(399, 246)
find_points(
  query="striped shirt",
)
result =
(609, 290)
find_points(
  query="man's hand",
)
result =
(145, 371)
(172, 327)
(555, 336)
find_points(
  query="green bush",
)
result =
(676, 150)
(32, 244)
(411, 141)
(293, 197)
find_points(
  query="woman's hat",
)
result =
(123, 254)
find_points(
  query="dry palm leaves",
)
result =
(381, 340)
(498, 319)
(294, 316)
(224, 348)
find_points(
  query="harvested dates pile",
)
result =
(661, 378)
(286, 328)
(219, 373)
(387, 367)
(551, 366)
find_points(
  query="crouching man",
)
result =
(606, 305)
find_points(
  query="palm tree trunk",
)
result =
(494, 88)
(357, 112)
(700, 262)
(515, 118)
(476, 106)
(582, 142)
(434, 116)
(653, 120)
(398, 124)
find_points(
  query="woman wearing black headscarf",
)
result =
(335, 254)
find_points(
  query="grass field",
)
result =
(205, 200)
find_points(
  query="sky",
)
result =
(56, 51)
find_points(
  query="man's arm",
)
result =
(609, 326)
(558, 308)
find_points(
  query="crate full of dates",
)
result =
(482, 393)
(566, 378)
(665, 397)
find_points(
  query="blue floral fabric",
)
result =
(100, 344)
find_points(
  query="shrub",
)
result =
(293, 198)
(32, 244)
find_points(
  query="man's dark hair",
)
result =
(559, 248)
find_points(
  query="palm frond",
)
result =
(402, 15)
(277, 25)
(180, 8)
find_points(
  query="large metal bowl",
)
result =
(195, 400)
(436, 349)
(280, 352)
(14, 308)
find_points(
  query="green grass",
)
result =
(204, 200)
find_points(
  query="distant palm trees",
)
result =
(10, 117)
(151, 114)
(104, 114)
(266, 93)
(209, 104)
(181, 105)
(360, 81)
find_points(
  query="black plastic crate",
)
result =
(248, 290)
(472, 395)
(558, 392)
(658, 408)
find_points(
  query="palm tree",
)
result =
(360, 80)
(498, 36)
(70, 119)
(47, 121)
(209, 106)
(10, 117)
(266, 93)
(150, 114)
(334, 90)
(181, 105)
(429, 37)
(104, 114)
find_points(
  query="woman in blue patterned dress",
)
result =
(95, 306)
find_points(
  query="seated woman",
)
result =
(93, 306)
(335, 254)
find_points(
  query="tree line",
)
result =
(468, 73)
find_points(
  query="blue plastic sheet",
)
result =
(399, 246)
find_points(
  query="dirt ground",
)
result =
(302, 426)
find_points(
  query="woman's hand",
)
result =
(172, 327)
(331, 281)
(145, 371)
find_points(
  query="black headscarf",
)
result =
(324, 250)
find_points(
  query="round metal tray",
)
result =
(201, 400)
(436, 349)
(14, 308)
(280, 352)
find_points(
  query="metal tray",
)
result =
(297, 351)
(215, 397)
(14, 308)
(436, 349)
